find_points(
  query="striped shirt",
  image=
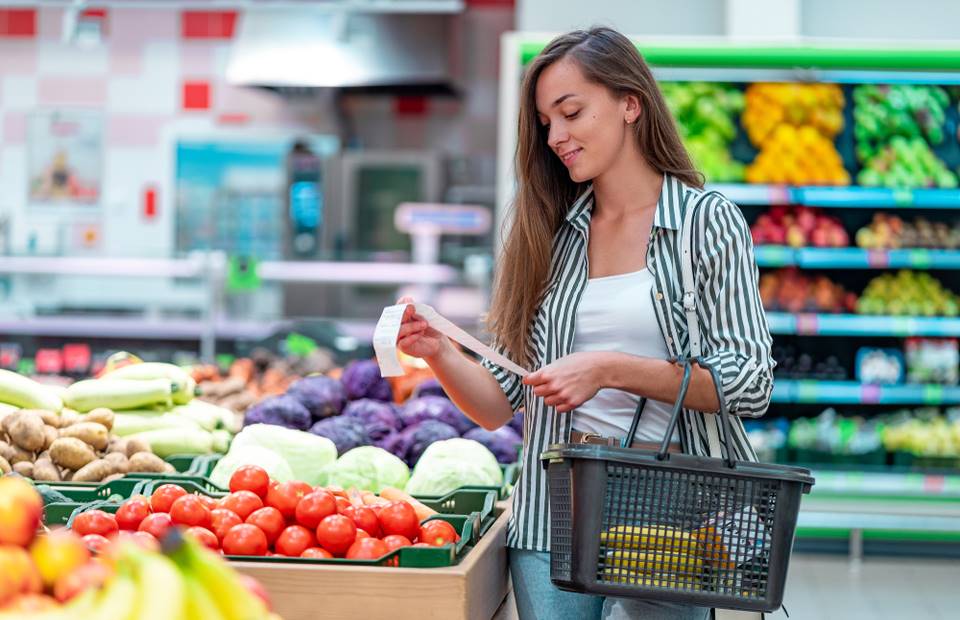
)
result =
(736, 339)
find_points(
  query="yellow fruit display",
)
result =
(794, 126)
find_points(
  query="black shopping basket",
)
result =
(688, 529)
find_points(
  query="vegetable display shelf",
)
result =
(844, 197)
(855, 258)
(811, 324)
(853, 393)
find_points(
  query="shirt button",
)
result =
(659, 296)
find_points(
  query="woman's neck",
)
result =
(630, 185)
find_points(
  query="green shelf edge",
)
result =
(869, 534)
(815, 56)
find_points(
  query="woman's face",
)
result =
(587, 125)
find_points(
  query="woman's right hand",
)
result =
(416, 338)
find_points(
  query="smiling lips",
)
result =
(568, 157)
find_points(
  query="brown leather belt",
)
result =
(599, 440)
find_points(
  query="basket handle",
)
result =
(664, 451)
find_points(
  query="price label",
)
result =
(878, 259)
(807, 324)
(779, 195)
(870, 394)
(932, 394)
(903, 326)
(807, 392)
(919, 259)
(933, 484)
(903, 197)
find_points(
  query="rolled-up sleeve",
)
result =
(510, 383)
(736, 337)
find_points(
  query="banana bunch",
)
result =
(652, 556)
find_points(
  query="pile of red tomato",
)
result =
(260, 517)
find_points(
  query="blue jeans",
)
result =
(538, 599)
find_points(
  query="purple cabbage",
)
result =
(410, 443)
(362, 379)
(429, 387)
(435, 408)
(346, 433)
(516, 423)
(502, 442)
(379, 418)
(322, 396)
(279, 410)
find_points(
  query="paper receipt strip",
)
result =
(388, 327)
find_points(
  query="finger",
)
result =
(409, 341)
(544, 390)
(407, 313)
(534, 378)
(409, 330)
(555, 400)
(564, 408)
(406, 299)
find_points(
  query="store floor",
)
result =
(824, 587)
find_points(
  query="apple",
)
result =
(58, 553)
(21, 510)
(90, 575)
(795, 237)
(32, 603)
(819, 238)
(20, 576)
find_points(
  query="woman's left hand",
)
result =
(568, 382)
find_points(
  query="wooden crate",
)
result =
(471, 590)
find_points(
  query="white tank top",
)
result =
(616, 314)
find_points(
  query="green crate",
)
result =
(204, 465)
(182, 462)
(467, 527)
(463, 501)
(123, 488)
(190, 484)
(112, 493)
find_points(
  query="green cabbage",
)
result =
(453, 463)
(306, 453)
(273, 463)
(368, 468)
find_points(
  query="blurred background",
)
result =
(206, 181)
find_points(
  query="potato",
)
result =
(21, 456)
(94, 471)
(168, 468)
(96, 435)
(71, 453)
(48, 417)
(5, 467)
(24, 468)
(111, 478)
(50, 435)
(26, 430)
(137, 445)
(147, 462)
(119, 461)
(7, 452)
(69, 417)
(44, 469)
(101, 415)
(118, 445)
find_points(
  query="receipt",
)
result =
(388, 327)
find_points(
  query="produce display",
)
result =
(906, 163)
(794, 365)
(829, 432)
(263, 516)
(924, 432)
(908, 293)
(890, 232)
(792, 290)
(705, 113)
(880, 366)
(53, 576)
(799, 227)
(931, 360)
(794, 126)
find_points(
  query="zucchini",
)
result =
(182, 388)
(126, 424)
(15, 389)
(166, 442)
(117, 394)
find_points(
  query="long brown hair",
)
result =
(544, 188)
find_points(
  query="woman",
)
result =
(588, 294)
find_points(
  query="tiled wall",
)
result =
(159, 74)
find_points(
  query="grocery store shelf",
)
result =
(853, 393)
(856, 258)
(355, 273)
(138, 328)
(804, 324)
(847, 197)
(138, 267)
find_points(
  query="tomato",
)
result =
(146, 540)
(205, 537)
(294, 540)
(209, 502)
(367, 549)
(269, 520)
(164, 496)
(156, 524)
(221, 520)
(96, 543)
(245, 539)
(132, 512)
(250, 478)
(423, 545)
(189, 510)
(362, 534)
(318, 553)
(399, 518)
(242, 503)
(312, 509)
(342, 504)
(286, 495)
(397, 541)
(365, 519)
(95, 522)
(438, 533)
(336, 533)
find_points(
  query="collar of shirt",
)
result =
(669, 207)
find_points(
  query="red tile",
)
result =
(208, 24)
(196, 95)
(410, 106)
(18, 22)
